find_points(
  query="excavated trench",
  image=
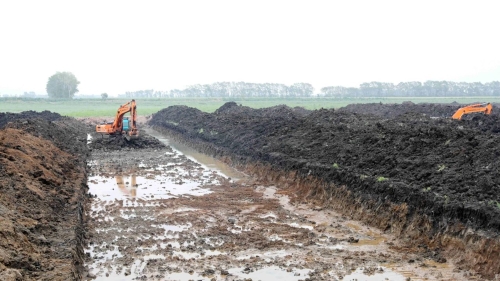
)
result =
(169, 213)
(403, 193)
(431, 181)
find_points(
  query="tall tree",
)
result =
(62, 85)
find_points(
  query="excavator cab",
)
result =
(479, 107)
(125, 124)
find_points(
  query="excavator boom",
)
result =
(121, 125)
(480, 107)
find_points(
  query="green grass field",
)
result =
(99, 107)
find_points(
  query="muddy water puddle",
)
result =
(207, 161)
(160, 215)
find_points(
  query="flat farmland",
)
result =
(148, 106)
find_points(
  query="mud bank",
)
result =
(43, 186)
(431, 181)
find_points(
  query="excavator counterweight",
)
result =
(124, 126)
(479, 107)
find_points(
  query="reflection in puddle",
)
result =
(127, 186)
(143, 187)
(134, 202)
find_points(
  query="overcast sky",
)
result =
(118, 46)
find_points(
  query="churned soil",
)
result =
(42, 189)
(109, 143)
(478, 121)
(440, 175)
(393, 110)
(6, 117)
(103, 143)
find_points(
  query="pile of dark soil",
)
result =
(486, 123)
(105, 143)
(447, 167)
(234, 108)
(10, 117)
(394, 110)
(66, 133)
(42, 190)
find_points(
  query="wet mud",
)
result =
(430, 181)
(108, 143)
(156, 214)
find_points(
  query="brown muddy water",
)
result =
(175, 214)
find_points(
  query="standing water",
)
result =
(175, 214)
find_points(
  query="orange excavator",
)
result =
(122, 126)
(479, 107)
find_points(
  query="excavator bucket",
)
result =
(129, 137)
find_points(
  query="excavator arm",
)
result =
(479, 107)
(117, 126)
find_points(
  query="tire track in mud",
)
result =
(157, 215)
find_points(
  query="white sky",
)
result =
(118, 46)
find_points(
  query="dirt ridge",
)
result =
(41, 197)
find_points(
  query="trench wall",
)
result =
(43, 191)
(437, 233)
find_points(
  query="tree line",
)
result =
(230, 90)
(65, 85)
(415, 89)
(304, 90)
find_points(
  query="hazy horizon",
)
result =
(119, 46)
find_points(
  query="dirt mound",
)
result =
(42, 189)
(484, 123)
(10, 117)
(448, 170)
(144, 141)
(237, 127)
(457, 163)
(394, 110)
(67, 133)
(227, 107)
(231, 108)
